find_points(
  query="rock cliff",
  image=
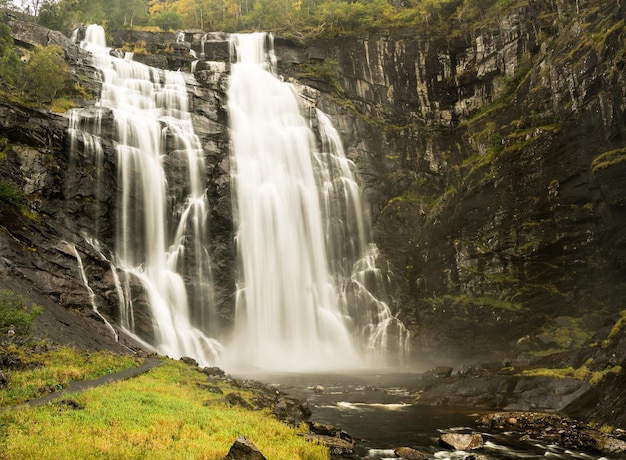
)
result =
(492, 159)
(491, 156)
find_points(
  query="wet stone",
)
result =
(462, 441)
(244, 449)
(409, 453)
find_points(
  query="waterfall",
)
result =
(302, 235)
(92, 296)
(162, 229)
(353, 256)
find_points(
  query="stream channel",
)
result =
(375, 409)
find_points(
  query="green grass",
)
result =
(49, 370)
(608, 159)
(580, 373)
(159, 415)
(63, 104)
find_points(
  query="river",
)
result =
(376, 409)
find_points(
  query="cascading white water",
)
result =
(287, 313)
(92, 296)
(162, 218)
(353, 256)
(301, 231)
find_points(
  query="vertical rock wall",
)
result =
(484, 156)
(491, 157)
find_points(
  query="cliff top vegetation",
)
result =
(290, 17)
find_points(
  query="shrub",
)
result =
(9, 60)
(11, 195)
(46, 73)
(15, 311)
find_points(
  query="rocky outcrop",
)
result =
(505, 392)
(555, 429)
(462, 441)
(490, 156)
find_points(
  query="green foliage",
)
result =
(362, 15)
(46, 73)
(615, 330)
(166, 413)
(11, 195)
(16, 312)
(113, 14)
(9, 60)
(298, 17)
(580, 373)
(62, 104)
(167, 20)
(139, 47)
(568, 337)
(606, 429)
(511, 82)
(325, 71)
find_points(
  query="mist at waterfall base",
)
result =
(308, 287)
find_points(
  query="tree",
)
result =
(53, 16)
(31, 6)
(46, 73)
(167, 20)
(16, 312)
(9, 60)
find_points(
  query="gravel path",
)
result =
(75, 387)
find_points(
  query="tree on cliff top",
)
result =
(299, 17)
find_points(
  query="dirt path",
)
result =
(82, 385)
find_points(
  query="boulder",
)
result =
(336, 446)
(439, 372)
(408, 453)
(244, 449)
(462, 441)
(235, 399)
(213, 371)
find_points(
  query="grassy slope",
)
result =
(161, 414)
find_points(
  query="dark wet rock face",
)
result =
(513, 392)
(494, 225)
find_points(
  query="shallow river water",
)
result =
(376, 410)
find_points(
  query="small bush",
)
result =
(11, 195)
(16, 312)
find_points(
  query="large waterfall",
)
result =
(303, 301)
(161, 235)
(307, 281)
